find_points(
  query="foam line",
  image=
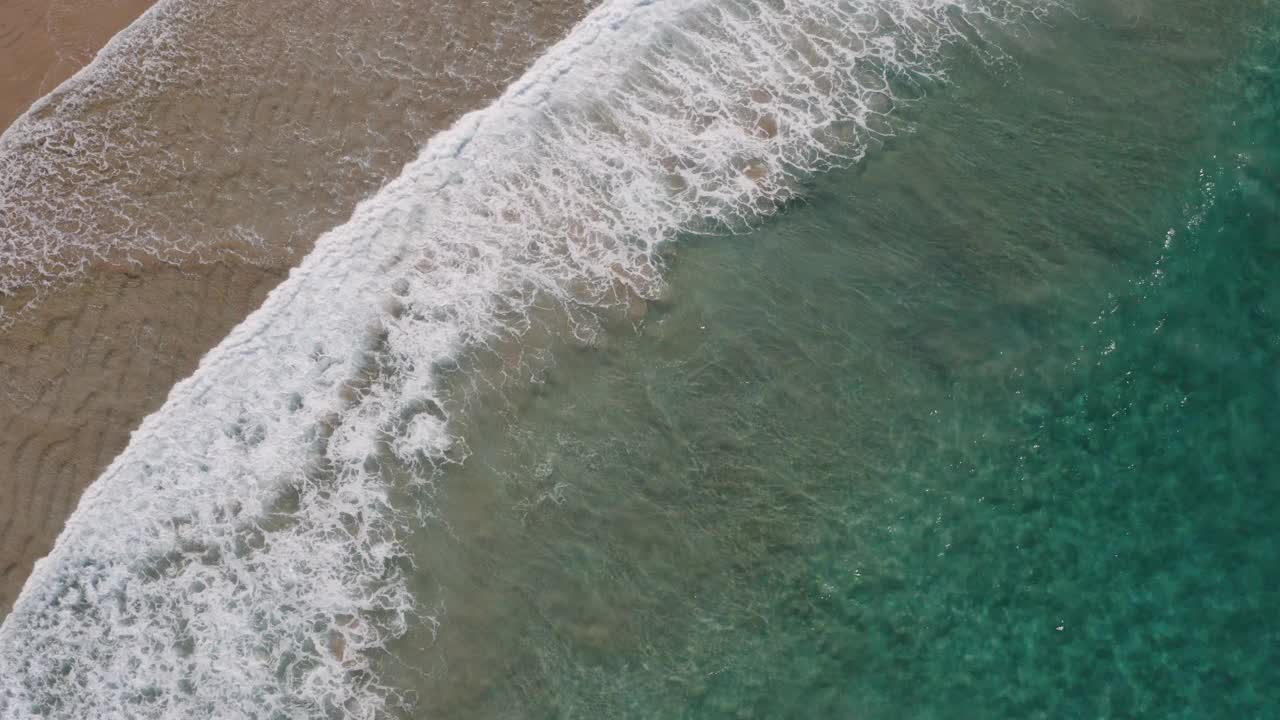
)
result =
(46, 151)
(241, 557)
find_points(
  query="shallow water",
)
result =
(975, 429)
(149, 204)
(245, 554)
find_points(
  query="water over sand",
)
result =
(150, 203)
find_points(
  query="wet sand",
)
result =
(176, 188)
(43, 42)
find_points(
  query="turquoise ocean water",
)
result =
(980, 428)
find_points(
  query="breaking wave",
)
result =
(241, 557)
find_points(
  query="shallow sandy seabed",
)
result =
(276, 148)
(42, 42)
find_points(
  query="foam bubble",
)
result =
(241, 557)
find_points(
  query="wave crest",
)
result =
(240, 558)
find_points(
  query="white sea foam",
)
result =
(240, 558)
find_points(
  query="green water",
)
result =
(982, 428)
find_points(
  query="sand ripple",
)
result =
(150, 203)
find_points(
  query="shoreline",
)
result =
(43, 43)
(235, 176)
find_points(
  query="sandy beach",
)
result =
(42, 42)
(171, 191)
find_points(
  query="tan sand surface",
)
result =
(42, 42)
(251, 129)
